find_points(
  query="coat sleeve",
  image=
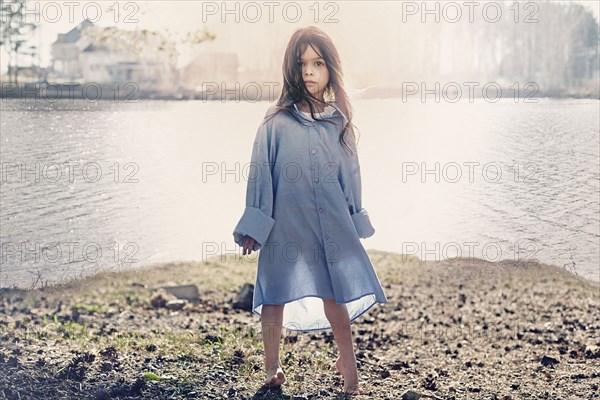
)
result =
(257, 219)
(359, 215)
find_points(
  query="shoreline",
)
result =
(75, 280)
(458, 329)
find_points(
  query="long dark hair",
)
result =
(294, 89)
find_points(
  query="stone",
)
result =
(548, 361)
(159, 299)
(410, 395)
(176, 304)
(244, 298)
(185, 292)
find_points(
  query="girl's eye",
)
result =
(317, 63)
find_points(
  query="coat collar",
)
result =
(333, 104)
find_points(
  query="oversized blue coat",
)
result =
(304, 210)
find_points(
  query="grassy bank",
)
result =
(461, 329)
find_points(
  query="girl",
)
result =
(304, 210)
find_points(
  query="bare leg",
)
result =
(337, 314)
(271, 319)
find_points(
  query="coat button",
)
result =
(326, 237)
(314, 151)
(316, 180)
(321, 210)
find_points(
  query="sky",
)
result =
(187, 15)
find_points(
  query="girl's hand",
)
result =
(248, 245)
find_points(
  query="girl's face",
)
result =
(314, 72)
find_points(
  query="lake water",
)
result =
(156, 181)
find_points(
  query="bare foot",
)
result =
(353, 392)
(351, 389)
(350, 376)
(275, 377)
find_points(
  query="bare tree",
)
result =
(15, 32)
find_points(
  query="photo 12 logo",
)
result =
(123, 92)
(453, 172)
(63, 253)
(316, 252)
(269, 11)
(251, 92)
(470, 11)
(488, 251)
(320, 173)
(453, 92)
(68, 171)
(71, 11)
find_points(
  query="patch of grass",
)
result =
(89, 308)
(149, 376)
(73, 330)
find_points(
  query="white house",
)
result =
(75, 58)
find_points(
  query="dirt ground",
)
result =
(459, 329)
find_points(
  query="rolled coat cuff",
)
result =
(256, 224)
(362, 223)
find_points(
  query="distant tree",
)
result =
(559, 52)
(15, 32)
(146, 44)
(583, 35)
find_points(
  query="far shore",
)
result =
(268, 91)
